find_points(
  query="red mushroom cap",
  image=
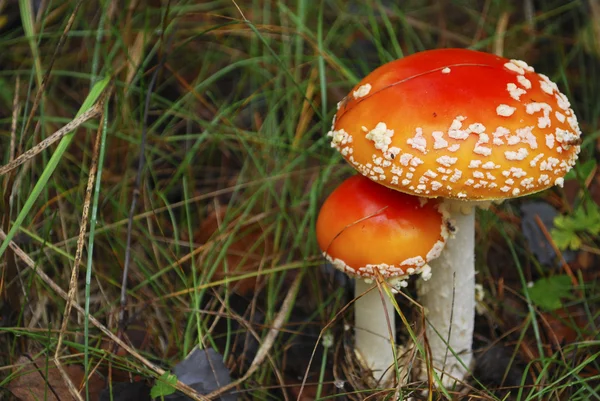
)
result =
(458, 124)
(363, 227)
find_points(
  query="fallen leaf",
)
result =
(39, 379)
(537, 241)
(204, 371)
(244, 254)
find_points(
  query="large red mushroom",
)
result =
(465, 126)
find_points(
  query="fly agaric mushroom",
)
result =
(465, 126)
(368, 231)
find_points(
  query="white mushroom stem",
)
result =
(372, 333)
(449, 300)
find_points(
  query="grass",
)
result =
(227, 105)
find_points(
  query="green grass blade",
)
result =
(93, 220)
(52, 164)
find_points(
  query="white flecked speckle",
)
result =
(418, 141)
(456, 176)
(517, 172)
(521, 154)
(396, 170)
(535, 107)
(447, 160)
(505, 110)
(405, 159)
(544, 122)
(527, 183)
(426, 272)
(516, 191)
(362, 91)
(415, 161)
(513, 140)
(550, 141)
(514, 91)
(339, 137)
(546, 87)
(477, 128)
(522, 64)
(391, 153)
(525, 83)
(489, 166)
(435, 185)
(562, 101)
(453, 148)
(482, 150)
(536, 159)
(515, 68)
(560, 116)
(446, 70)
(475, 163)
(526, 136)
(455, 131)
(381, 136)
(500, 132)
(439, 141)
(559, 181)
(565, 137)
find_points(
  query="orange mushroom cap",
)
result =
(364, 226)
(458, 124)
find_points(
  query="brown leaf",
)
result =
(40, 379)
(244, 254)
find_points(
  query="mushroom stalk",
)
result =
(449, 301)
(372, 334)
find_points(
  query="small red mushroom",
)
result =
(369, 231)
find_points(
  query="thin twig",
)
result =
(566, 267)
(46, 77)
(500, 34)
(94, 111)
(42, 275)
(267, 344)
(15, 118)
(318, 341)
(10, 295)
(75, 271)
(136, 188)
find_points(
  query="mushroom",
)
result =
(468, 127)
(371, 232)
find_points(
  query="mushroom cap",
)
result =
(458, 124)
(363, 227)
